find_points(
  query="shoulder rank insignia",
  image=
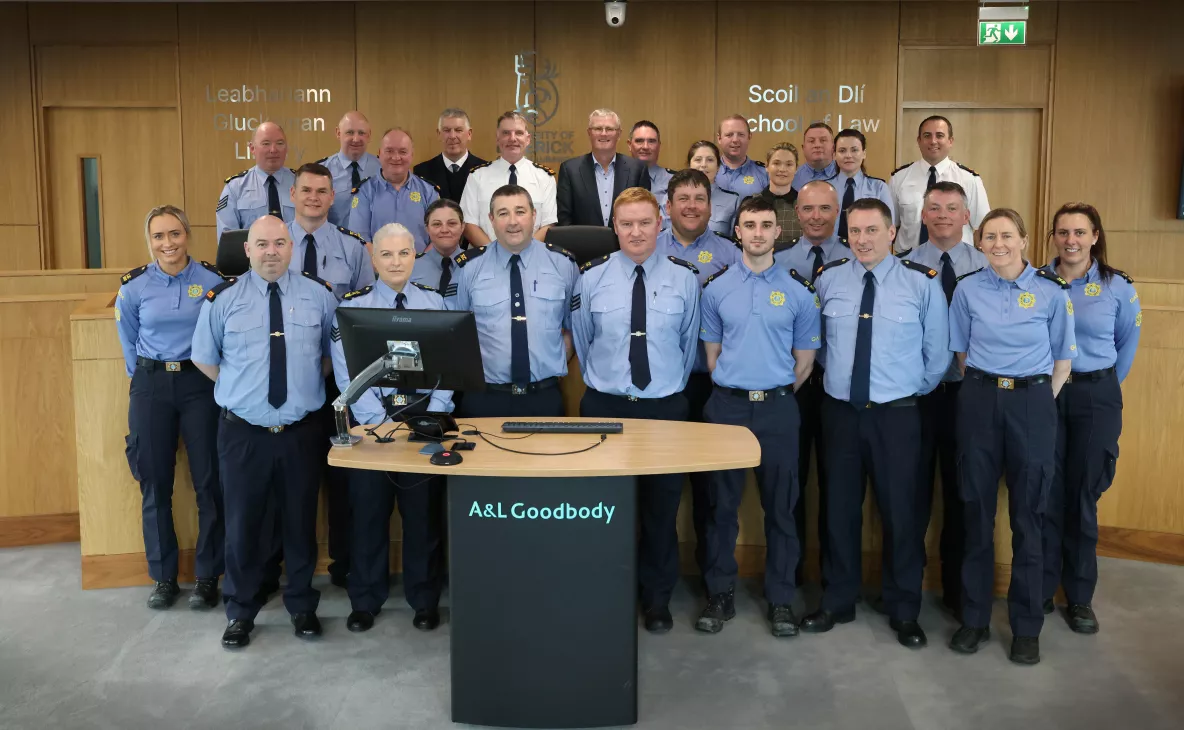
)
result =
(238, 175)
(871, 177)
(725, 190)
(354, 191)
(667, 169)
(1125, 276)
(964, 167)
(801, 280)
(425, 287)
(133, 274)
(903, 167)
(321, 161)
(318, 279)
(209, 267)
(759, 163)
(904, 253)
(359, 292)
(475, 168)
(831, 265)
(218, 289)
(421, 254)
(1053, 278)
(922, 268)
(680, 262)
(969, 273)
(563, 251)
(470, 253)
(544, 168)
(713, 277)
(593, 263)
(351, 234)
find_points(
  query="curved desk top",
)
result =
(645, 447)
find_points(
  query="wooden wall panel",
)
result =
(1006, 76)
(955, 22)
(104, 76)
(20, 248)
(18, 149)
(310, 48)
(102, 23)
(493, 33)
(76, 281)
(817, 54)
(627, 70)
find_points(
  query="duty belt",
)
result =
(757, 396)
(1091, 376)
(233, 418)
(173, 366)
(535, 387)
(1006, 382)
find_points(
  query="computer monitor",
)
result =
(232, 253)
(432, 345)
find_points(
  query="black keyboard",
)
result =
(562, 427)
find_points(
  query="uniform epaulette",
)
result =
(831, 265)
(969, 273)
(922, 268)
(218, 289)
(564, 251)
(964, 167)
(801, 280)
(421, 254)
(238, 175)
(667, 169)
(1054, 278)
(322, 160)
(470, 253)
(475, 168)
(594, 262)
(904, 253)
(758, 163)
(729, 192)
(133, 274)
(318, 279)
(352, 234)
(872, 177)
(209, 267)
(737, 243)
(713, 277)
(680, 262)
(544, 168)
(1125, 276)
(354, 191)
(905, 166)
(359, 292)
(425, 287)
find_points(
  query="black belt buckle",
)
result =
(519, 389)
(756, 396)
(398, 400)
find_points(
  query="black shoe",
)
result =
(967, 640)
(822, 620)
(307, 625)
(1049, 607)
(164, 595)
(909, 634)
(359, 621)
(205, 594)
(266, 591)
(238, 633)
(426, 619)
(658, 620)
(720, 608)
(1025, 650)
(782, 622)
(1081, 618)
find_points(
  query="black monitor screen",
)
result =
(447, 343)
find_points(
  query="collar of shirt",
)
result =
(434, 253)
(459, 162)
(748, 164)
(825, 173)
(768, 274)
(880, 270)
(183, 274)
(599, 168)
(502, 255)
(502, 164)
(628, 266)
(707, 237)
(789, 197)
(945, 168)
(1091, 276)
(260, 283)
(344, 160)
(840, 179)
(386, 295)
(1025, 281)
(391, 186)
(325, 240)
(261, 177)
(828, 246)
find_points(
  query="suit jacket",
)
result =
(451, 184)
(575, 194)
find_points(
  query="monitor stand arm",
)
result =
(402, 356)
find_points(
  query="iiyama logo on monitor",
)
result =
(397, 318)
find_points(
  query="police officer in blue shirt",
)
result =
(1107, 323)
(704, 157)
(395, 195)
(645, 144)
(753, 314)
(155, 313)
(738, 172)
(945, 252)
(264, 341)
(373, 493)
(436, 265)
(636, 329)
(1011, 327)
(886, 332)
(350, 165)
(851, 181)
(261, 190)
(818, 150)
(520, 291)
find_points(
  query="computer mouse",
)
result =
(446, 458)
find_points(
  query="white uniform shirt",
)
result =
(485, 179)
(908, 190)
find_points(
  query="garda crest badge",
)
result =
(1027, 300)
(415, 196)
(1069, 306)
(117, 317)
(749, 179)
(777, 298)
(355, 203)
(1139, 319)
(817, 302)
(195, 291)
(705, 257)
(1093, 290)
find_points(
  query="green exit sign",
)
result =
(1002, 32)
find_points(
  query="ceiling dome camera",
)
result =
(614, 13)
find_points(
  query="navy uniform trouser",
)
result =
(373, 495)
(1010, 433)
(809, 400)
(938, 449)
(337, 492)
(162, 406)
(658, 495)
(1090, 421)
(697, 392)
(883, 442)
(543, 403)
(774, 422)
(267, 474)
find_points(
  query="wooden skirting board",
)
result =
(38, 529)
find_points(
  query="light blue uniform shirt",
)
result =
(748, 179)
(709, 253)
(965, 258)
(1107, 321)
(233, 333)
(605, 178)
(377, 203)
(659, 183)
(155, 313)
(798, 257)
(483, 287)
(429, 265)
(1015, 328)
(724, 204)
(758, 319)
(244, 198)
(342, 259)
(603, 309)
(807, 174)
(369, 408)
(910, 329)
(343, 182)
(866, 186)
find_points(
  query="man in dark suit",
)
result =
(449, 170)
(588, 185)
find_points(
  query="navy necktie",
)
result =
(861, 371)
(401, 303)
(931, 183)
(310, 255)
(273, 198)
(948, 280)
(513, 175)
(639, 356)
(519, 349)
(355, 175)
(817, 265)
(848, 199)
(277, 376)
(455, 168)
(445, 273)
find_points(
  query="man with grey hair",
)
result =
(449, 170)
(588, 185)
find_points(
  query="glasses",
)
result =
(604, 130)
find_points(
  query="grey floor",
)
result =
(99, 659)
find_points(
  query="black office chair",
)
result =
(232, 254)
(584, 242)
